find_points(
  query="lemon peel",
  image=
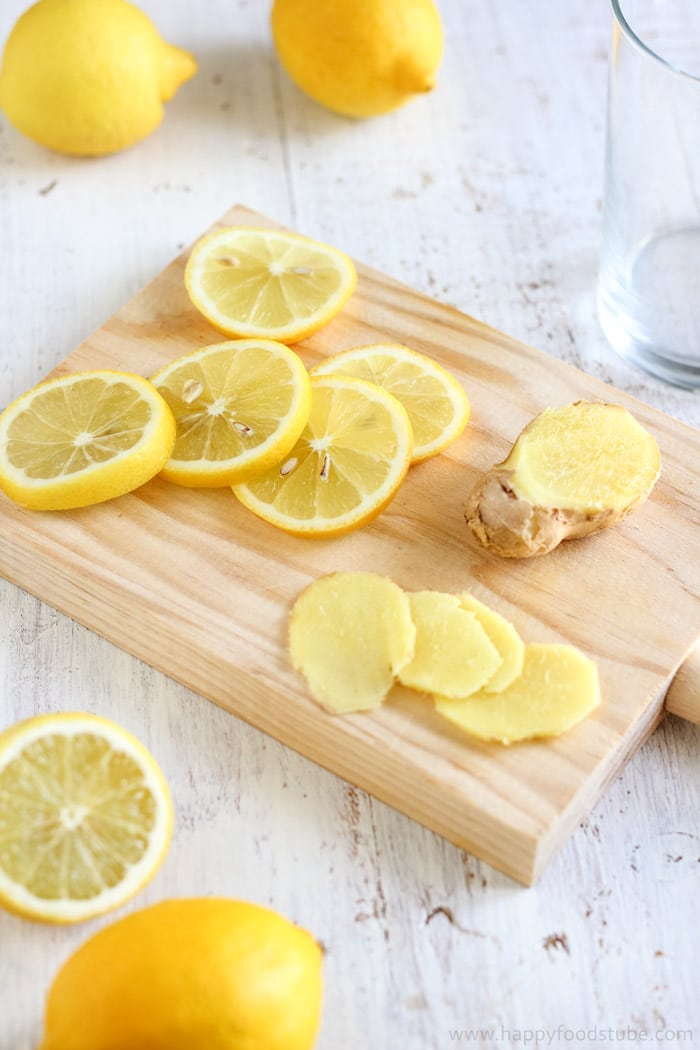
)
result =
(359, 59)
(88, 77)
(190, 974)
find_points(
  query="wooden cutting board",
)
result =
(195, 585)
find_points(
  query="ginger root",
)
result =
(556, 689)
(503, 635)
(572, 471)
(350, 633)
(454, 655)
(353, 634)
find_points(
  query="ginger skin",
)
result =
(513, 527)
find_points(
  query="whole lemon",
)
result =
(191, 974)
(88, 77)
(359, 57)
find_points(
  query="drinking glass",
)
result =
(649, 278)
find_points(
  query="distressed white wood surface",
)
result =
(485, 194)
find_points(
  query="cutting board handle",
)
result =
(683, 696)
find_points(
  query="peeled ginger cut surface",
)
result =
(453, 653)
(588, 456)
(557, 688)
(349, 635)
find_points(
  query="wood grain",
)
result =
(191, 583)
(683, 696)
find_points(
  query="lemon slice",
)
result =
(239, 408)
(266, 283)
(435, 401)
(85, 817)
(82, 439)
(345, 468)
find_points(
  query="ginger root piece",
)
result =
(558, 687)
(503, 635)
(572, 471)
(349, 634)
(453, 653)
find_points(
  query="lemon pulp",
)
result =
(267, 283)
(85, 817)
(435, 401)
(346, 466)
(239, 407)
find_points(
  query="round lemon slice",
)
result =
(238, 406)
(345, 468)
(82, 439)
(85, 817)
(435, 401)
(267, 283)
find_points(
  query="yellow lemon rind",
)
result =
(88, 79)
(115, 477)
(189, 974)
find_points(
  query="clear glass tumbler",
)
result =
(649, 279)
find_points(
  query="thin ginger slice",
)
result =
(349, 635)
(453, 653)
(557, 688)
(571, 472)
(503, 635)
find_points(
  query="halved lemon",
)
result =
(267, 283)
(239, 408)
(435, 401)
(347, 465)
(82, 439)
(85, 817)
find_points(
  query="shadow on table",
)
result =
(244, 86)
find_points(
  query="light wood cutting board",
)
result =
(195, 585)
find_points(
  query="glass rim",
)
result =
(637, 41)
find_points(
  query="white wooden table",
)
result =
(485, 194)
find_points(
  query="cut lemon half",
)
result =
(239, 408)
(85, 817)
(82, 439)
(345, 468)
(435, 401)
(267, 283)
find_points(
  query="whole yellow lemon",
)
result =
(88, 77)
(191, 974)
(359, 57)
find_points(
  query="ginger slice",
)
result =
(503, 635)
(572, 471)
(453, 653)
(557, 688)
(349, 634)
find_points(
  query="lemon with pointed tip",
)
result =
(88, 77)
(359, 57)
